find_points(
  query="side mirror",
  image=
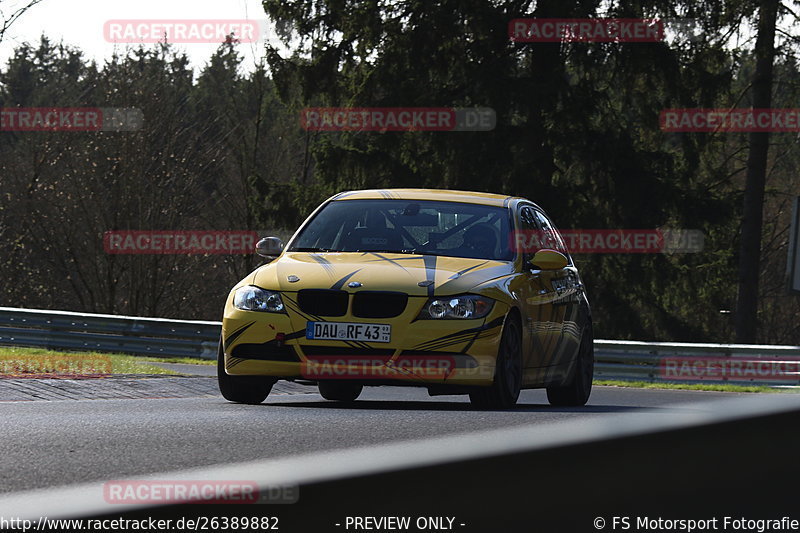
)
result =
(546, 259)
(269, 247)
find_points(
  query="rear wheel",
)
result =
(241, 389)
(576, 392)
(340, 391)
(504, 391)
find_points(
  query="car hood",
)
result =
(417, 275)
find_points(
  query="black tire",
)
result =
(242, 389)
(504, 391)
(576, 392)
(340, 391)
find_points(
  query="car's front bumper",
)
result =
(452, 352)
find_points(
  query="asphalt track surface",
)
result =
(61, 442)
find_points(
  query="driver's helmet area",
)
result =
(373, 235)
(480, 240)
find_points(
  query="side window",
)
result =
(552, 238)
(527, 219)
(528, 240)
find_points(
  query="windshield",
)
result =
(403, 226)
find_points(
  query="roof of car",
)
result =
(469, 197)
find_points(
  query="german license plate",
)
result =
(348, 331)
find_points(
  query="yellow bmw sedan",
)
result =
(459, 292)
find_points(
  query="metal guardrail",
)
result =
(697, 362)
(615, 360)
(63, 330)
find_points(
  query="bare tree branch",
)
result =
(16, 11)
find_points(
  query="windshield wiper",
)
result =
(388, 251)
(437, 254)
(313, 250)
(411, 251)
(414, 251)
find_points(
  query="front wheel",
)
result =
(241, 389)
(504, 390)
(340, 391)
(576, 392)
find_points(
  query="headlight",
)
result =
(256, 299)
(464, 307)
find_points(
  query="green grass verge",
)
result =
(180, 360)
(17, 360)
(689, 386)
(21, 361)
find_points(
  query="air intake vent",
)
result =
(316, 351)
(322, 302)
(379, 304)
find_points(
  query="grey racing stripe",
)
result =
(339, 284)
(462, 272)
(430, 272)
